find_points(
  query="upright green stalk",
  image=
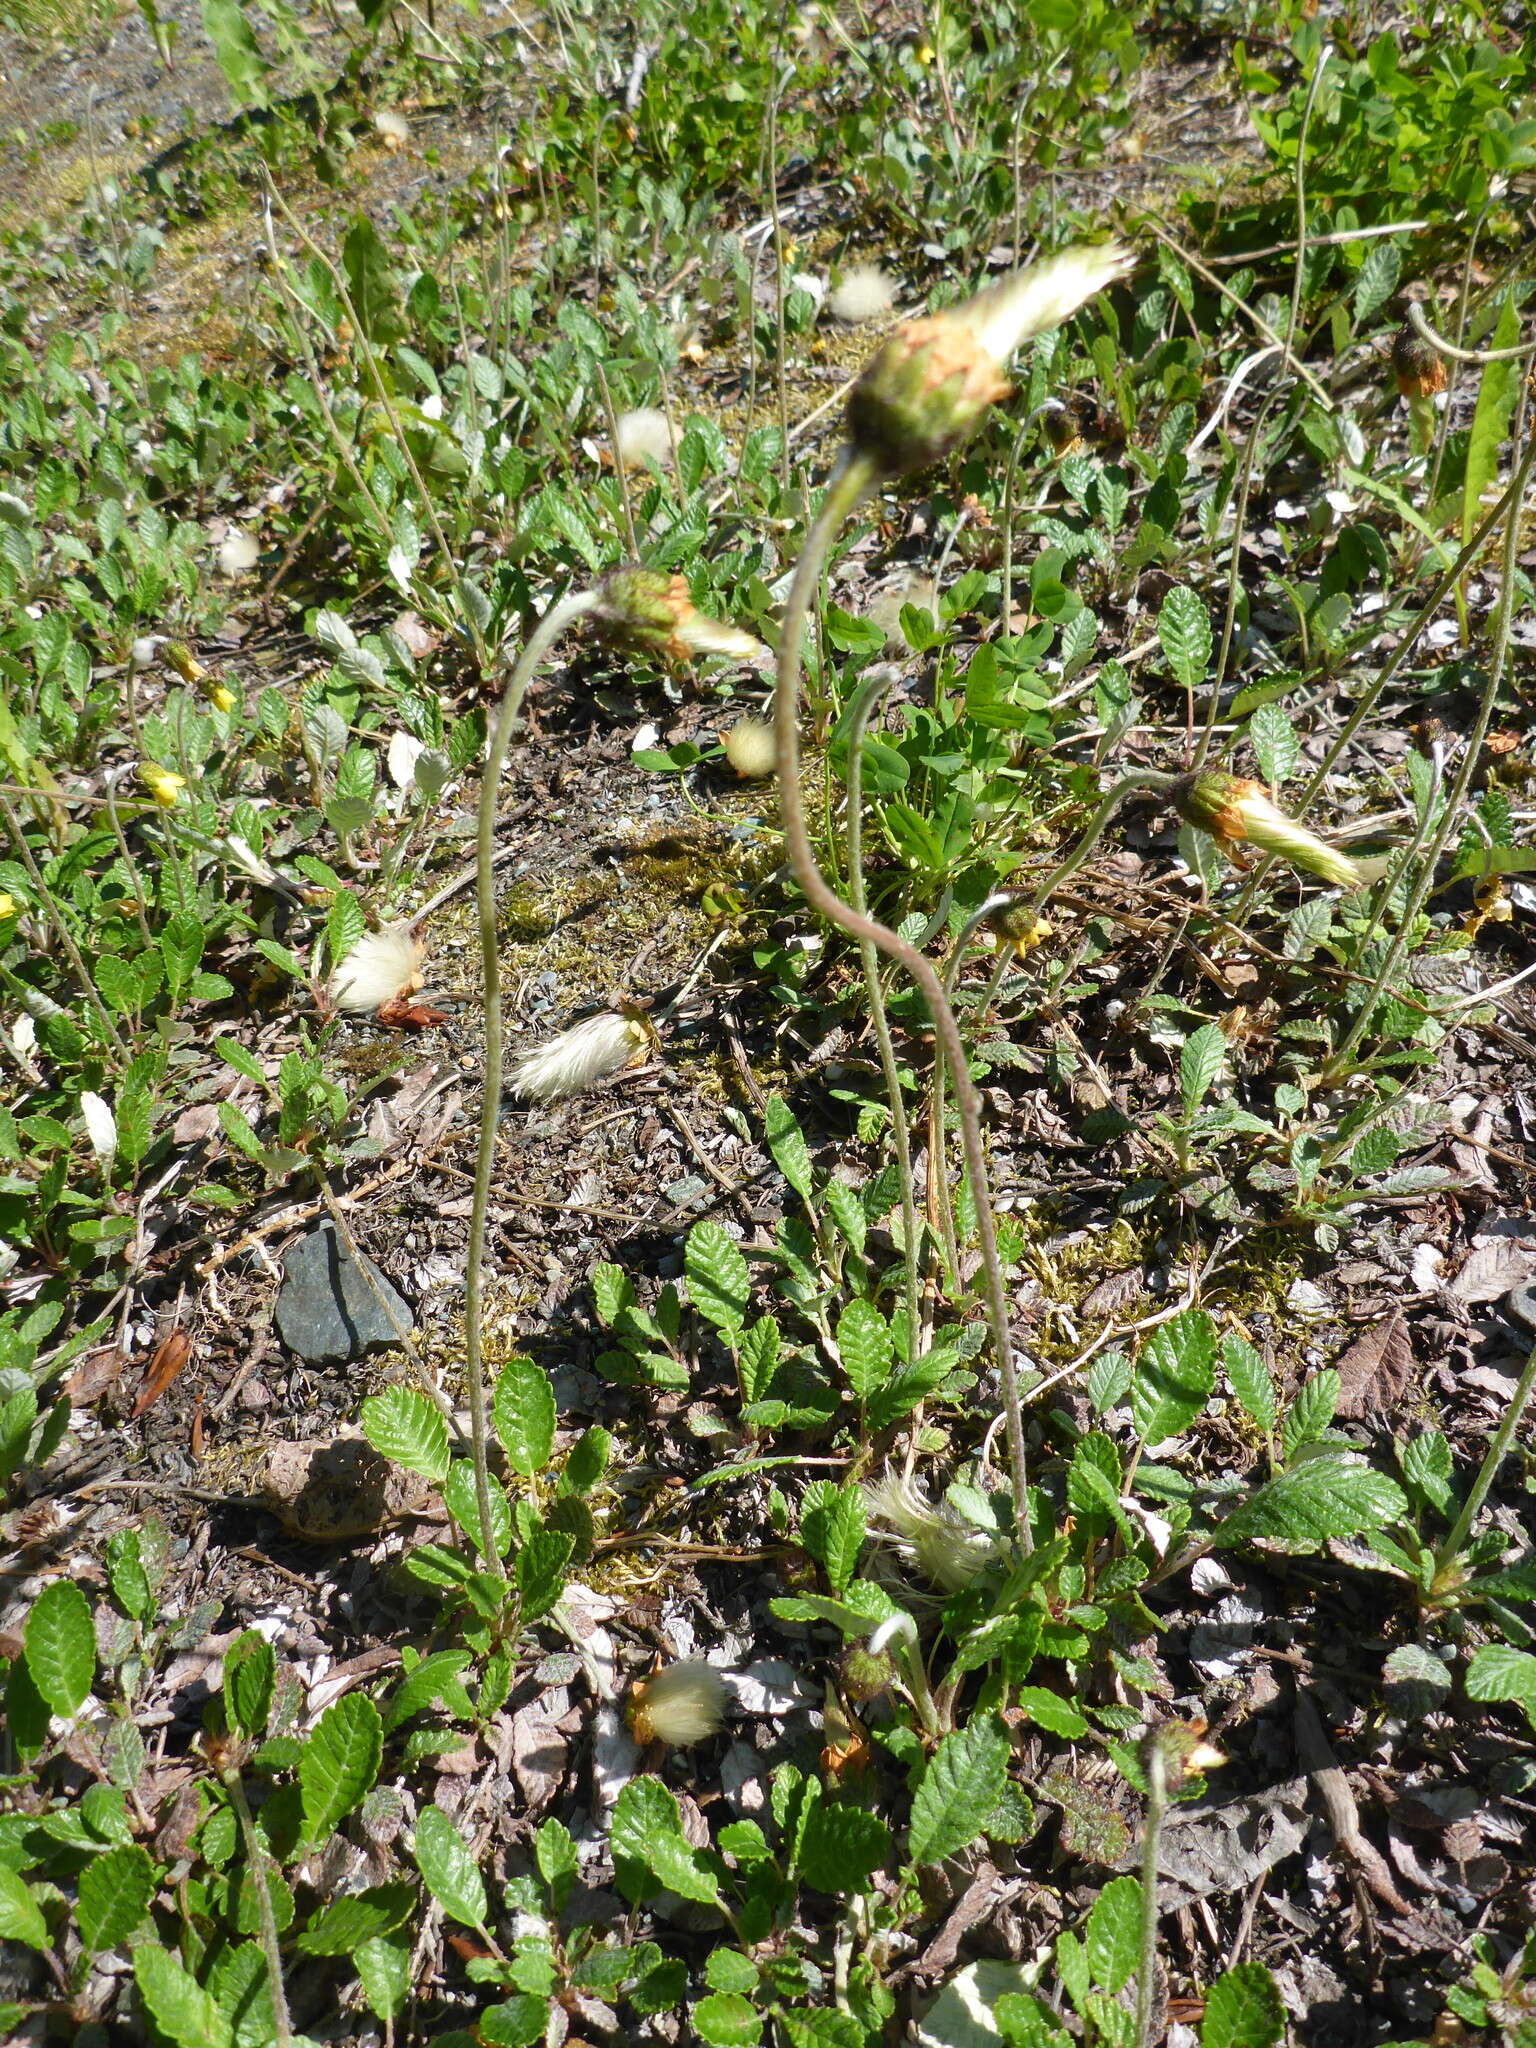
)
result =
(554, 622)
(1503, 1437)
(901, 1142)
(1155, 1763)
(845, 492)
(1470, 756)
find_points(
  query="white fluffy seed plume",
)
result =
(750, 748)
(645, 436)
(948, 1551)
(238, 553)
(864, 293)
(381, 966)
(588, 1052)
(683, 1704)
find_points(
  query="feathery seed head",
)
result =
(864, 293)
(381, 966)
(642, 436)
(948, 1550)
(588, 1052)
(1236, 810)
(682, 1705)
(645, 609)
(749, 747)
(927, 389)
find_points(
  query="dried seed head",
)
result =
(642, 608)
(644, 436)
(929, 386)
(1236, 810)
(749, 747)
(682, 1705)
(945, 1548)
(381, 966)
(864, 293)
(392, 128)
(588, 1052)
(1419, 371)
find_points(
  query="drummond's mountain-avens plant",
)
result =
(923, 394)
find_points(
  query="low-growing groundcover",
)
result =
(767, 1268)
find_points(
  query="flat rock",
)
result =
(326, 1310)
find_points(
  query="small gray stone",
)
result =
(326, 1310)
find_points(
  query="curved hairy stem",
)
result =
(554, 622)
(1425, 332)
(1139, 779)
(901, 1141)
(849, 486)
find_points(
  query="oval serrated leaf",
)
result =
(60, 1646)
(114, 1895)
(250, 1673)
(1113, 1934)
(718, 1285)
(1243, 2009)
(21, 1918)
(865, 1348)
(451, 1873)
(1184, 631)
(1313, 1503)
(1174, 1376)
(339, 1762)
(523, 1411)
(402, 1425)
(960, 1788)
(179, 2006)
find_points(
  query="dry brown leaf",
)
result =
(166, 1362)
(1375, 1369)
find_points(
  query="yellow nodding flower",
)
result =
(1236, 810)
(7, 904)
(163, 784)
(183, 660)
(220, 696)
(928, 388)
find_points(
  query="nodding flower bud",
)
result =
(865, 1673)
(1181, 1750)
(927, 389)
(1419, 371)
(644, 609)
(1018, 926)
(1236, 811)
(683, 1704)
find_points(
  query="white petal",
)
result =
(100, 1126)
